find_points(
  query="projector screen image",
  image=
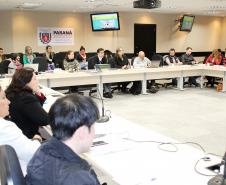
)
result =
(187, 23)
(105, 21)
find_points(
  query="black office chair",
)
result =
(10, 170)
(4, 66)
(42, 63)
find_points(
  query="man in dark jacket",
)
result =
(57, 162)
(188, 59)
(100, 59)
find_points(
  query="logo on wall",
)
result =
(45, 38)
(55, 36)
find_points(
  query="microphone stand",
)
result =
(103, 118)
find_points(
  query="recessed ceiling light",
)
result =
(29, 5)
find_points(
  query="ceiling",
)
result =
(197, 7)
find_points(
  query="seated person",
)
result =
(81, 58)
(122, 62)
(172, 59)
(142, 62)
(214, 59)
(28, 57)
(15, 64)
(58, 160)
(70, 63)
(2, 56)
(100, 59)
(109, 58)
(49, 54)
(26, 102)
(11, 135)
(188, 59)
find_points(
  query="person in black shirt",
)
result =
(26, 102)
(172, 60)
(100, 59)
(58, 161)
(82, 59)
(188, 59)
(122, 62)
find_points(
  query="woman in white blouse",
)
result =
(11, 135)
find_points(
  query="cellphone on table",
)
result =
(99, 143)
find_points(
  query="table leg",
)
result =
(100, 88)
(144, 84)
(201, 81)
(224, 82)
(180, 83)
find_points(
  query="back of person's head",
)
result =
(19, 82)
(216, 54)
(99, 50)
(71, 112)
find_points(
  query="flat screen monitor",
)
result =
(105, 21)
(187, 23)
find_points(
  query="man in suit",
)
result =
(100, 59)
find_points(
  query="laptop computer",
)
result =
(99, 67)
(155, 63)
(33, 66)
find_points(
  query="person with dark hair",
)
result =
(57, 161)
(49, 55)
(15, 63)
(100, 59)
(70, 63)
(188, 59)
(11, 135)
(26, 102)
(28, 57)
(109, 58)
(82, 59)
(2, 56)
(97, 59)
(172, 60)
(122, 62)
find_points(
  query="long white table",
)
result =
(142, 163)
(63, 78)
(132, 163)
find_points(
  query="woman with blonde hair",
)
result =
(28, 57)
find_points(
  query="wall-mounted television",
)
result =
(186, 22)
(105, 21)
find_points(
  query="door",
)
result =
(145, 39)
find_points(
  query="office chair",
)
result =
(42, 63)
(4, 66)
(10, 170)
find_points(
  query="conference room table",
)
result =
(134, 155)
(62, 78)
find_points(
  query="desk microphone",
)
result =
(103, 118)
(219, 179)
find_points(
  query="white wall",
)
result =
(19, 28)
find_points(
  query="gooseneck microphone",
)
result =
(103, 118)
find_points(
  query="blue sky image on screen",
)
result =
(105, 21)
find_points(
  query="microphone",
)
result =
(103, 118)
(219, 179)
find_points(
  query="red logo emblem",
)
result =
(45, 37)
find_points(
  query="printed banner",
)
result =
(55, 36)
